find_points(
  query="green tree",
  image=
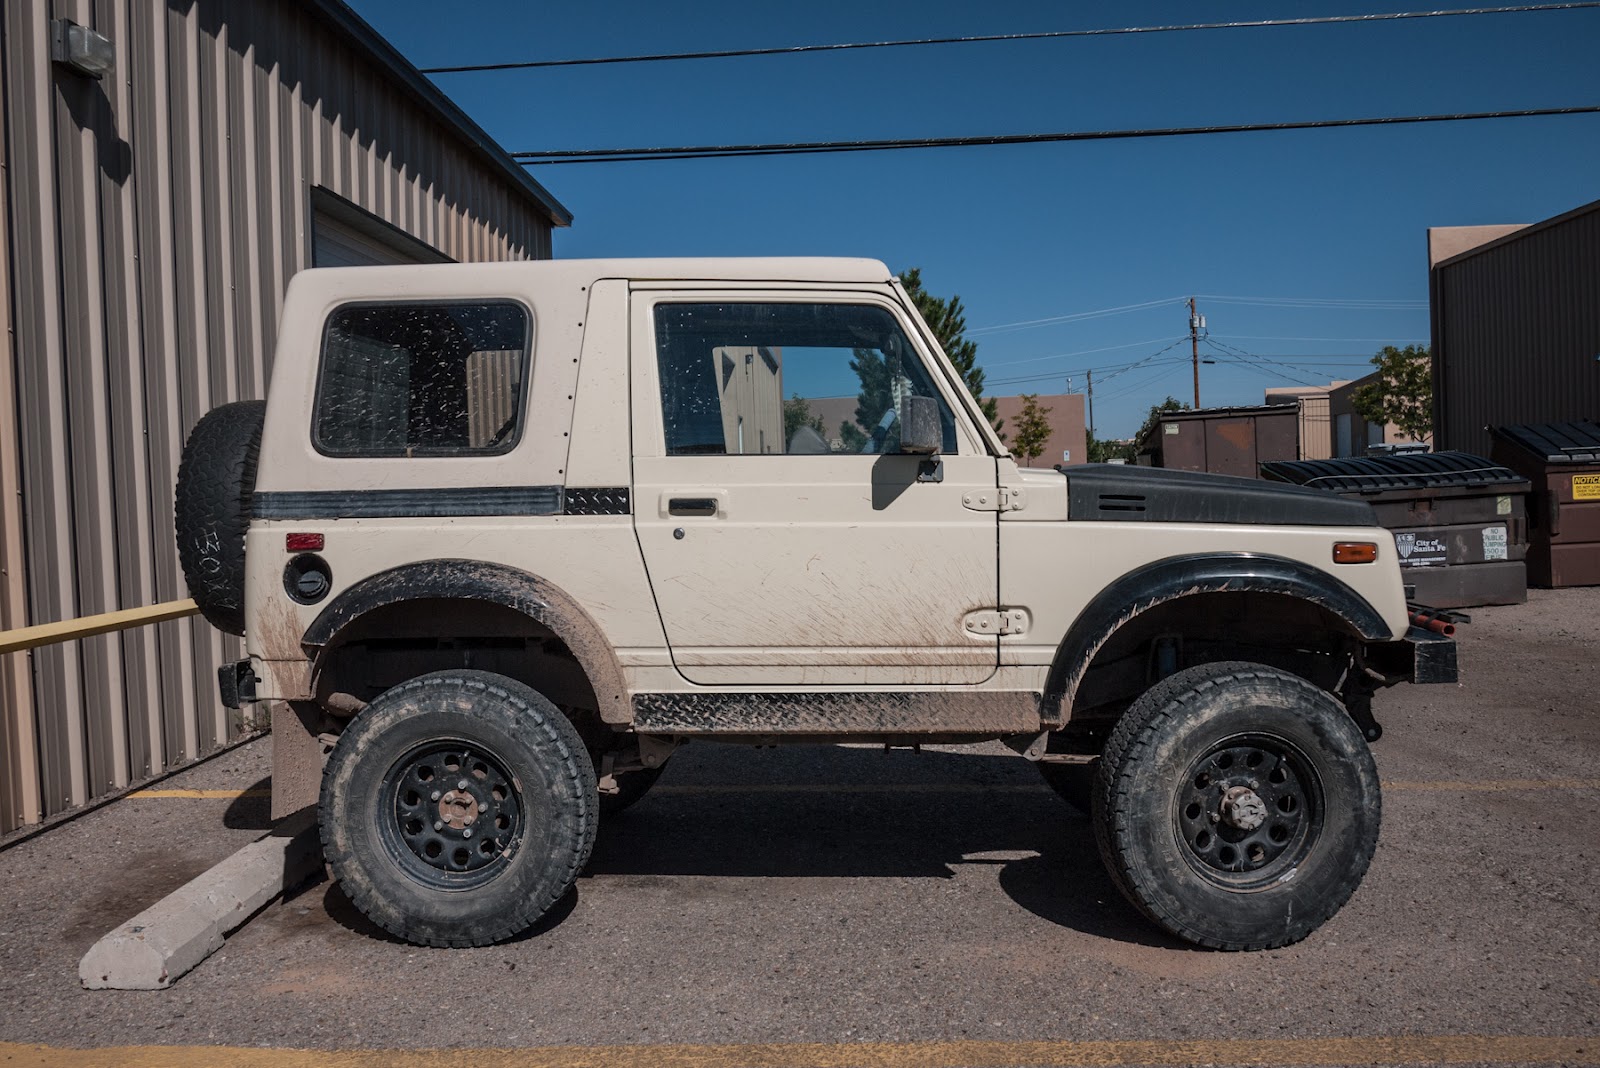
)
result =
(1171, 404)
(1032, 429)
(1100, 451)
(948, 321)
(1402, 393)
(796, 414)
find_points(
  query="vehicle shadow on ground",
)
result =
(850, 813)
(245, 813)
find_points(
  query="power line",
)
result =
(1320, 302)
(659, 57)
(1302, 381)
(1080, 352)
(1074, 316)
(796, 148)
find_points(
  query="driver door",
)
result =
(786, 540)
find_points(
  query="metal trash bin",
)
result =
(1460, 522)
(1562, 460)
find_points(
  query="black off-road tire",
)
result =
(211, 509)
(531, 797)
(1188, 742)
(631, 786)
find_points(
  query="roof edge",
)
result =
(358, 30)
(1517, 235)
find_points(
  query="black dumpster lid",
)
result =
(1401, 471)
(1558, 443)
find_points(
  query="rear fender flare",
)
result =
(1182, 576)
(475, 580)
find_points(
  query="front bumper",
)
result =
(1422, 656)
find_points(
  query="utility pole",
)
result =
(1091, 402)
(1195, 325)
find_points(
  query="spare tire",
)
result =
(216, 480)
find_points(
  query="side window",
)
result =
(786, 379)
(422, 379)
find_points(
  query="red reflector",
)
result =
(303, 543)
(1354, 552)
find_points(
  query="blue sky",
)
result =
(1027, 233)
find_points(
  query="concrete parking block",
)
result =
(168, 939)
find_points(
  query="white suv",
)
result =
(504, 536)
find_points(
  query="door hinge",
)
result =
(995, 500)
(987, 621)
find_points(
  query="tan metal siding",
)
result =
(1517, 331)
(155, 218)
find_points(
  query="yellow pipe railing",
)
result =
(14, 641)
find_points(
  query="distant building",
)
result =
(1069, 440)
(1352, 434)
(1516, 325)
(1316, 438)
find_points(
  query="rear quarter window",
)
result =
(417, 379)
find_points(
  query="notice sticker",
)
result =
(1502, 504)
(1494, 543)
(1586, 487)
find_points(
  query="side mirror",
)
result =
(920, 433)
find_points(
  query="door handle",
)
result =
(692, 506)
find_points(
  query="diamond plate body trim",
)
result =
(868, 712)
(598, 500)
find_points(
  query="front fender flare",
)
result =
(538, 599)
(1181, 576)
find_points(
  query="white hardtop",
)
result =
(830, 269)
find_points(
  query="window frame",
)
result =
(412, 453)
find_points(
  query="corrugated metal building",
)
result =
(1516, 325)
(151, 220)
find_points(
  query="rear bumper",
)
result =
(1422, 656)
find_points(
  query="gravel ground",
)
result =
(894, 897)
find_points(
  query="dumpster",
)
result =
(1460, 522)
(1562, 460)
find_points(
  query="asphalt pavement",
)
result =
(843, 905)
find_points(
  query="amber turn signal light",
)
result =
(307, 543)
(1354, 552)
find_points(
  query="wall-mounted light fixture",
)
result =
(81, 48)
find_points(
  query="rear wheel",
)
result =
(1237, 806)
(457, 808)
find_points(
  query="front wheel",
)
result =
(457, 808)
(1237, 806)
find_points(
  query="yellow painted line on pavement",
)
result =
(219, 795)
(1418, 1049)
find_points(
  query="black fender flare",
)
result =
(475, 580)
(1182, 576)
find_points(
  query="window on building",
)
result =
(786, 379)
(422, 379)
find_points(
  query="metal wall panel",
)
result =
(152, 222)
(1517, 331)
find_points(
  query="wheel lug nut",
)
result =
(435, 795)
(438, 825)
(467, 833)
(462, 785)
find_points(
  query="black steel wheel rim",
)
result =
(1236, 783)
(450, 815)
